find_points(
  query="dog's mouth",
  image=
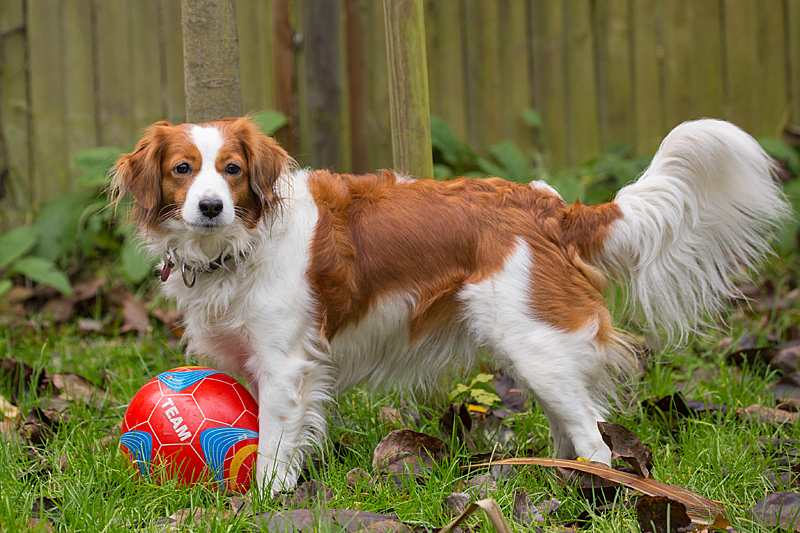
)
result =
(204, 226)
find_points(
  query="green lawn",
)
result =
(80, 472)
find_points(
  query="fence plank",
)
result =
(114, 73)
(14, 189)
(741, 58)
(378, 120)
(145, 54)
(515, 80)
(358, 56)
(79, 79)
(255, 55)
(677, 62)
(793, 40)
(48, 109)
(283, 70)
(582, 116)
(170, 38)
(445, 49)
(705, 59)
(772, 76)
(615, 76)
(322, 85)
(482, 50)
(648, 96)
(549, 77)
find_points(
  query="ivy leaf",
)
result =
(5, 285)
(532, 118)
(95, 164)
(460, 389)
(481, 378)
(484, 397)
(782, 152)
(269, 121)
(513, 160)
(43, 271)
(15, 244)
(135, 265)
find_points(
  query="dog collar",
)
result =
(186, 271)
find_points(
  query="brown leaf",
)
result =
(778, 509)
(456, 420)
(482, 486)
(134, 316)
(18, 294)
(789, 404)
(788, 386)
(315, 519)
(751, 356)
(456, 502)
(404, 450)
(38, 524)
(19, 376)
(527, 513)
(511, 395)
(787, 360)
(90, 325)
(70, 386)
(59, 309)
(392, 417)
(491, 509)
(87, 290)
(357, 478)
(625, 445)
(698, 507)
(592, 487)
(386, 526)
(766, 415)
(40, 424)
(171, 319)
(310, 493)
(182, 518)
(7, 409)
(657, 514)
(8, 432)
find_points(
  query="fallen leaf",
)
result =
(789, 404)
(19, 377)
(87, 290)
(171, 319)
(7, 409)
(788, 386)
(18, 294)
(456, 502)
(59, 309)
(386, 526)
(699, 507)
(752, 356)
(766, 415)
(90, 325)
(358, 478)
(592, 487)
(37, 524)
(625, 445)
(657, 514)
(787, 360)
(511, 395)
(778, 509)
(309, 493)
(182, 518)
(392, 417)
(527, 513)
(71, 386)
(404, 450)
(491, 509)
(456, 420)
(8, 432)
(40, 424)
(482, 486)
(315, 519)
(134, 316)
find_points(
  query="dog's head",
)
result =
(202, 176)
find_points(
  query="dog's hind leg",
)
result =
(571, 368)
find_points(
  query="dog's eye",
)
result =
(183, 168)
(232, 169)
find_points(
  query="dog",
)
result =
(307, 283)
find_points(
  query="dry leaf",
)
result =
(309, 519)
(699, 507)
(456, 502)
(404, 450)
(357, 478)
(134, 316)
(482, 486)
(657, 514)
(310, 493)
(386, 526)
(491, 509)
(87, 290)
(7, 409)
(625, 445)
(71, 386)
(766, 415)
(392, 417)
(789, 404)
(511, 395)
(778, 509)
(59, 309)
(40, 424)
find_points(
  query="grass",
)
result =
(716, 456)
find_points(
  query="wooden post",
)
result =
(211, 60)
(408, 87)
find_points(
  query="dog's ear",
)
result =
(266, 161)
(139, 173)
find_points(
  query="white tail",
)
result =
(701, 213)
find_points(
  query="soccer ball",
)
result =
(193, 424)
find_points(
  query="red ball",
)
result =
(193, 424)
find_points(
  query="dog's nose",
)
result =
(210, 207)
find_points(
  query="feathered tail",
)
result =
(701, 213)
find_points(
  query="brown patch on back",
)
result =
(378, 237)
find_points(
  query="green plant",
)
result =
(476, 391)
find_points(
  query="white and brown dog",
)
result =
(307, 283)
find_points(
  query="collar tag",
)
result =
(166, 270)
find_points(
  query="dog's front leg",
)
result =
(291, 417)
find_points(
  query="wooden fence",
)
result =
(81, 73)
